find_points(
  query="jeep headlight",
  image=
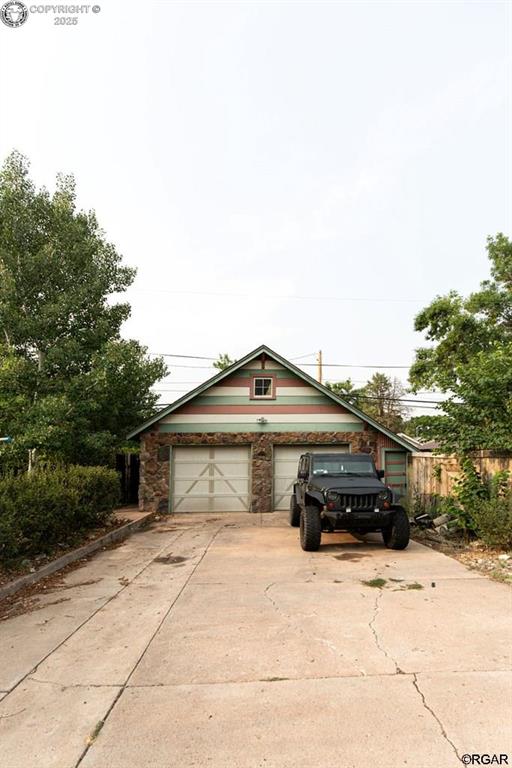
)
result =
(385, 496)
(332, 496)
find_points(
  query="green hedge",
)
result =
(46, 507)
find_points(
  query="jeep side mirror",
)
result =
(380, 473)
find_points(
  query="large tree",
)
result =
(470, 358)
(381, 398)
(70, 387)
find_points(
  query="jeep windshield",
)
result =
(343, 466)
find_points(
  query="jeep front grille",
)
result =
(358, 501)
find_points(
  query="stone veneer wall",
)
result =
(154, 458)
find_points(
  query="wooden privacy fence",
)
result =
(427, 480)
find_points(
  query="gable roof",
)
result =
(286, 364)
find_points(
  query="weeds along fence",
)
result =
(432, 476)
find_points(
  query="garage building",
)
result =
(233, 443)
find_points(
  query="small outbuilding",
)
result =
(233, 443)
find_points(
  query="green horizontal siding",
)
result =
(280, 400)
(347, 426)
(281, 374)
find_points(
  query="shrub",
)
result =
(480, 507)
(493, 519)
(460, 517)
(46, 507)
(469, 491)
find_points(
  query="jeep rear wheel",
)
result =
(294, 516)
(396, 535)
(310, 529)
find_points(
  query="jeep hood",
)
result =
(347, 484)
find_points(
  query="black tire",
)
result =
(396, 536)
(310, 529)
(294, 516)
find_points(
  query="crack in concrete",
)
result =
(293, 624)
(255, 680)
(65, 686)
(92, 615)
(122, 689)
(271, 600)
(295, 679)
(371, 625)
(12, 714)
(431, 711)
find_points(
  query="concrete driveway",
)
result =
(218, 642)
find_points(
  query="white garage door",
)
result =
(286, 460)
(210, 479)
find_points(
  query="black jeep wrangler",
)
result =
(344, 492)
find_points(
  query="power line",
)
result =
(301, 357)
(350, 396)
(304, 365)
(355, 365)
(384, 398)
(187, 357)
(372, 299)
(197, 367)
(197, 382)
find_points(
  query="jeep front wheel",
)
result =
(294, 516)
(310, 529)
(396, 535)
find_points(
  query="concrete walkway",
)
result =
(215, 641)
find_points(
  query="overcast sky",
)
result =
(240, 154)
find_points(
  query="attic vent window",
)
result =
(263, 387)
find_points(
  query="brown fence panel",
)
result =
(434, 475)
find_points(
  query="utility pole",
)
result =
(319, 366)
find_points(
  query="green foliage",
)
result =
(468, 488)
(467, 494)
(499, 484)
(223, 361)
(493, 520)
(493, 514)
(70, 387)
(424, 503)
(46, 507)
(460, 518)
(422, 427)
(470, 358)
(380, 398)
(480, 507)
(378, 583)
(344, 389)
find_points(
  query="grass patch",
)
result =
(377, 583)
(95, 732)
(414, 585)
(500, 575)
